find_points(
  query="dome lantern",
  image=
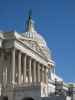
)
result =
(30, 27)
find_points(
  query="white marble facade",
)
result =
(25, 61)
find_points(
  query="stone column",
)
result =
(29, 70)
(34, 72)
(46, 75)
(1, 67)
(24, 68)
(19, 67)
(13, 65)
(38, 72)
(42, 73)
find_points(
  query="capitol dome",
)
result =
(32, 34)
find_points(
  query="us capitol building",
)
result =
(27, 70)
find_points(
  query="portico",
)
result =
(29, 70)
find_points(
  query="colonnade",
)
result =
(28, 67)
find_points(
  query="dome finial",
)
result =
(30, 14)
(30, 23)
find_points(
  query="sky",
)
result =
(55, 20)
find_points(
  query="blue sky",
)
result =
(55, 20)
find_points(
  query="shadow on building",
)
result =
(27, 98)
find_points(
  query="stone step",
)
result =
(57, 98)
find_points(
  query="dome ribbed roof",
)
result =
(34, 36)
